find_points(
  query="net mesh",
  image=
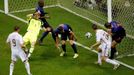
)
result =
(20, 5)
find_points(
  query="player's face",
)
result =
(36, 15)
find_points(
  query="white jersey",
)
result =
(15, 40)
(105, 39)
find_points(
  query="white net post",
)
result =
(109, 10)
(6, 6)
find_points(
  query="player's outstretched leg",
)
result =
(31, 49)
(116, 65)
(53, 35)
(42, 37)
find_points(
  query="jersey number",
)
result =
(14, 42)
(106, 36)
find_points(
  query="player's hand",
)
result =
(91, 47)
(47, 17)
(57, 46)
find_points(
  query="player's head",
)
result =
(60, 28)
(108, 25)
(41, 3)
(95, 27)
(16, 28)
(36, 15)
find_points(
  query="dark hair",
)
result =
(94, 26)
(16, 28)
(107, 25)
(60, 28)
(41, 3)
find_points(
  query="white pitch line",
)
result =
(126, 65)
(1, 11)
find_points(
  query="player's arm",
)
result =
(73, 35)
(8, 40)
(22, 43)
(29, 17)
(98, 39)
(95, 45)
(47, 17)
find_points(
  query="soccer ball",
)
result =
(88, 35)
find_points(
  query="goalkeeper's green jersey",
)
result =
(34, 26)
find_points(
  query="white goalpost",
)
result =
(6, 6)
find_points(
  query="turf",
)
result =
(45, 59)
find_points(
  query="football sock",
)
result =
(74, 48)
(64, 47)
(99, 57)
(53, 35)
(111, 61)
(113, 51)
(27, 66)
(44, 35)
(11, 68)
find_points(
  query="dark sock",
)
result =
(53, 35)
(64, 47)
(74, 48)
(44, 35)
(113, 51)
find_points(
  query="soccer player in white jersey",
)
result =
(16, 42)
(103, 44)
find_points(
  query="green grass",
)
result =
(1, 4)
(45, 59)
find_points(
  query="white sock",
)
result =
(111, 61)
(11, 68)
(99, 57)
(27, 66)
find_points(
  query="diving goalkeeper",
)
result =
(33, 30)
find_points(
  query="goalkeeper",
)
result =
(32, 33)
(46, 25)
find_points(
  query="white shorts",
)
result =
(19, 54)
(105, 50)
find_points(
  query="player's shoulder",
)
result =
(100, 30)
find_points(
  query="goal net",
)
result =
(25, 5)
(95, 11)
